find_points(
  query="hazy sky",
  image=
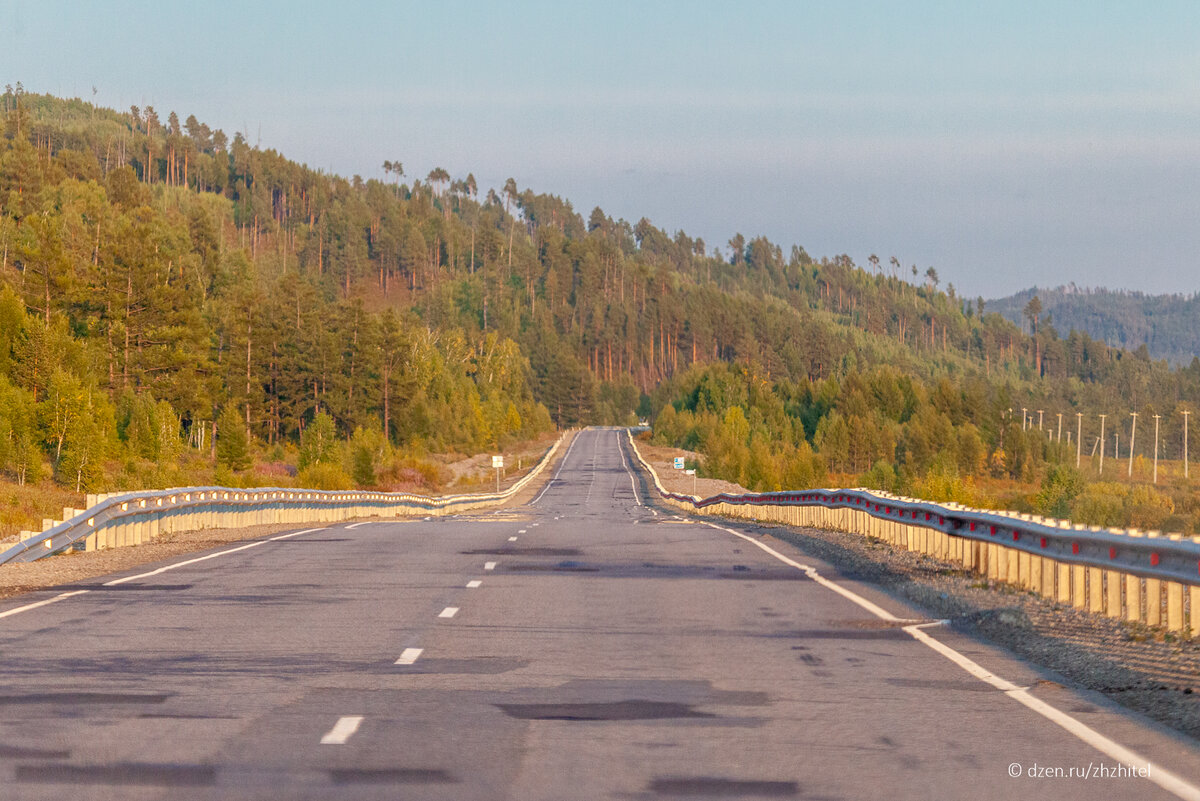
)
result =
(1007, 144)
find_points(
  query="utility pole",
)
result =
(1156, 447)
(1102, 443)
(1060, 427)
(1078, 437)
(1132, 435)
(1185, 455)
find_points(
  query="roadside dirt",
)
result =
(71, 568)
(661, 459)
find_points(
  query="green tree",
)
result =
(233, 447)
(318, 443)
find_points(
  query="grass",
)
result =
(22, 507)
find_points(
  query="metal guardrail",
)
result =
(1069, 562)
(136, 517)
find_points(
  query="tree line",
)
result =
(199, 270)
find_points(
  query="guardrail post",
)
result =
(1175, 607)
(1112, 606)
(1095, 590)
(1133, 598)
(1049, 573)
(1064, 583)
(1153, 602)
(1078, 587)
(1194, 609)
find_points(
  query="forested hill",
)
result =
(161, 280)
(1168, 325)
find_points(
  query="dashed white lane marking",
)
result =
(489, 565)
(1163, 778)
(512, 539)
(409, 656)
(46, 602)
(186, 562)
(449, 611)
(531, 525)
(521, 530)
(473, 583)
(343, 730)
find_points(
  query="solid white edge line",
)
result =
(187, 562)
(628, 469)
(409, 655)
(47, 602)
(1163, 778)
(449, 611)
(353, 526)
(343, 730)
(473, 583)
(489, 565)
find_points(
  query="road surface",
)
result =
(587, 645)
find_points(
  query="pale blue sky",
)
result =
(1004, 143)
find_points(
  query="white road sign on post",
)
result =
(678, 462)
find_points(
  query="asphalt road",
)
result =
(588, 645)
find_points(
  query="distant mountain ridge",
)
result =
(1168, 325)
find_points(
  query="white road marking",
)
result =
(521, 530)
(489, 565)
(556, 472)
(343, 730)
(512, 539)
(187, 562)
(115, 582)
(473, 583)
(449, 611)
(409, 655)
(1163, 778)
(632, 480)
(531, 525)
(363, 523)
(46, 602)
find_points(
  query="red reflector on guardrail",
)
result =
(1112, 553)
(1016, 536)
(1154, 559)
(993, 532)
(1043, 542)
(1075, 547)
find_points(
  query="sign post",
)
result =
(498, 463)
(692, 473)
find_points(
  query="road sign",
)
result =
(678, 462)
(497, 461)
(690, 472)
